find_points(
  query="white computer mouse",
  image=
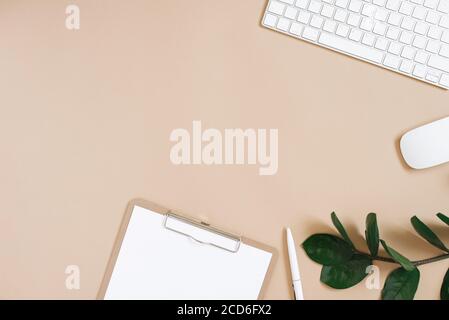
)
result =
(426, 146)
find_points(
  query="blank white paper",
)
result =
(156, 263)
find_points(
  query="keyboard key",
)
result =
(327, 11)
(406, 37)
(283, 24)
(351, 47)
(421, 57)
(433, 46)
(433, 74)
(392, 61)
(393, 4)
(303, 4)
(311, 33)
(342, 30)
(304, 17)
(291, 13)
(316, 22)
(418, 1)
(432, 4)
(419, 71)
(406, 66)
(443, 6)
(395, 48)
(421, 28)
(353, 20)
(394, 19)
(380, 28)
(393, 33)
(408, 23)
(445, 36)
(439, 63)
(381, 15)
(432, 17)
(434, 33)
(315, 6)
(296, 28)
(340, 15)
(444, 80)
(444, 22)
(408, 53)
(328, 1)
(406, 8)
(355, 35)
(367, 24)
(276, 7)
(342, 3)
(419, 13)
(444, 51)
(381, 44)
(432, 77)
(288, 1)
(369, 10)
(329, 26)
(368, 39)
(355, 5)
(270, 20)
(419, 42)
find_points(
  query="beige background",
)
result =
(86, 116)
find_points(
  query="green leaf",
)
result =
(327, 249)
(347, 274)
(401, 285)
(443, 218)
(427, 233)
(372, 234)
(403, 261)
(444, 294)
(339, 226)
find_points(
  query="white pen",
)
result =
(296, 278)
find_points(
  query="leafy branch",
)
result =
(345, 266)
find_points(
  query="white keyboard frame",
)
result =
(316, 43)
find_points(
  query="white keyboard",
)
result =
(408, 36)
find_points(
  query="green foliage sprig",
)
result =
(345, 266)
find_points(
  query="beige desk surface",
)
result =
(86, 117)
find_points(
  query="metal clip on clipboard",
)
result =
(202, 233)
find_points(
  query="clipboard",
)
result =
(192, 229)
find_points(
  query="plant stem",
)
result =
(416, 263)
(430, 260)
(378, 258)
